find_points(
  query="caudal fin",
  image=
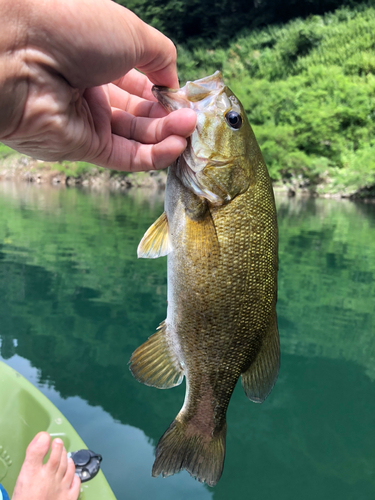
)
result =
(183, 447)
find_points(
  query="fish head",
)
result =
(215, 164)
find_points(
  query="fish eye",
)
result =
(233, 119)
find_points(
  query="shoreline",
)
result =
(69, 174)
(20, 168)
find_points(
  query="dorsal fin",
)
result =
(155, 242)
(261, 376)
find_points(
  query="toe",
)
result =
(54, 460)
(70, 473)
(63, 464)
(75, 488)
(37, 449)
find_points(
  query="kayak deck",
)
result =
(25, 411)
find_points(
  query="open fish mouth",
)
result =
(191, 93)
(170, 99)
(203, 96)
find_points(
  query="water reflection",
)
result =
(327, 279)
(127, 451)
(76, 303)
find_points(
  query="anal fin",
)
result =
(155, 242)
(155, 364)
(260, 377)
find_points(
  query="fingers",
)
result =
(137, 84)
(134, 104)
(142, 144)
(131, 156)
(151, 131)
(135, 143)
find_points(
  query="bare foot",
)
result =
(54, 480)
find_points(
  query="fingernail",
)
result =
(58, 441)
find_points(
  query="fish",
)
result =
(219, 232)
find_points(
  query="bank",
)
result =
(20, 168)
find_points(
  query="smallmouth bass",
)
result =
(219, 230)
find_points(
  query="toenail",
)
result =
(38, 437)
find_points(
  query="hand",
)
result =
(69, 90)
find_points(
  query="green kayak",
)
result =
(25, 411)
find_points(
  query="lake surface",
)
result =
(76, 302)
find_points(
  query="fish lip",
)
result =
(169, 98)
(158, 90)
(172, 99)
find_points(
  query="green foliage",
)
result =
(5, 151)
(195, 22)
(308, 88)
(77, 168)
(356, 173)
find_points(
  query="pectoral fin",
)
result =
(202, 236)
(199, 225)
(261, 376)
(155, 364)
(155, 242)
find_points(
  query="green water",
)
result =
(75, 302)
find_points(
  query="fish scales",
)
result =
(219, 231)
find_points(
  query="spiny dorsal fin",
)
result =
(155, 364)
(261, 376)
(155, 242)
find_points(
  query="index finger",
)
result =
(137, 84)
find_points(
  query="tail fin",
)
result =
(183, 447)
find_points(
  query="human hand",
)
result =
(69, 90)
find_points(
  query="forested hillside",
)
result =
(308, 86)
(219, 21)
(309, 90)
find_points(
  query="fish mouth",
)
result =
(170, 99)
(191, 93)
(198, 95)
